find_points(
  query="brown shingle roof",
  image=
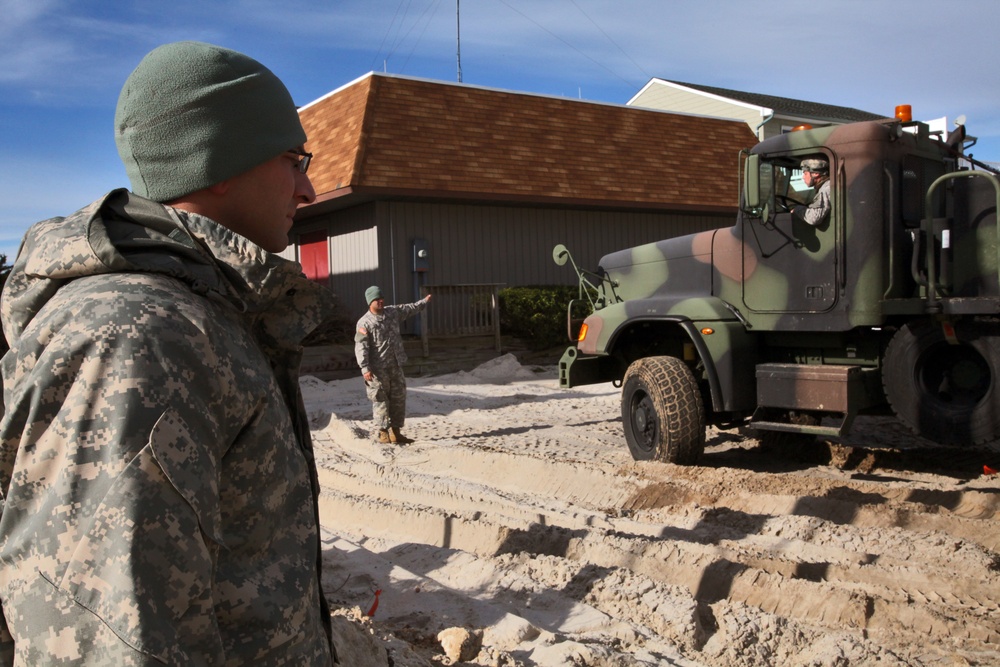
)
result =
(395, 135)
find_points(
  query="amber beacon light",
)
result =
(904, 113)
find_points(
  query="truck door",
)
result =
(790, 266)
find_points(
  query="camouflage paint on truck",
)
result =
(893, 301)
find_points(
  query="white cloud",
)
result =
(859, 53)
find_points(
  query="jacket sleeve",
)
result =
(818, 209)
(362, 347)
(118, 417)
(408, 310)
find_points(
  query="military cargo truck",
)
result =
(892, 304)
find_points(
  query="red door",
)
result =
(314, 256)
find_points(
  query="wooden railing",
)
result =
(461, 310)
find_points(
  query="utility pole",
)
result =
(458, 36)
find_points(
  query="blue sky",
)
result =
(62, 62)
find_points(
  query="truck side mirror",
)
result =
(751, 184)
(560, 255)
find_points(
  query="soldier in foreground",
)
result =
(159, 487)
(378, 347)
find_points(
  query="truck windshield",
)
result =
(786, 180)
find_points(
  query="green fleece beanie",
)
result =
(372, 293)
(192, 115)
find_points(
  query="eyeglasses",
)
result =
(304, 159)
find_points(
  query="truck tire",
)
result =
(662, 411)
(945, 392)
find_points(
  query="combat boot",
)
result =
(383, 435)
(398, 438)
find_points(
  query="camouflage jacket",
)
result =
(159, 491)
(377, 342)
(818, 209)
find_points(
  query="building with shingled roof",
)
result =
(424, 182)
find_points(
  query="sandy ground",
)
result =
(519, 518)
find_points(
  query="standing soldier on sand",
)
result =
(378, 347)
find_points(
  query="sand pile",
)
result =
(518, 525)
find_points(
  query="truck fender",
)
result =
(726, 350)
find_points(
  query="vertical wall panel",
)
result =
(513, 245)
(477, 244)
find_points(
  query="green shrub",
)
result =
(537, 314)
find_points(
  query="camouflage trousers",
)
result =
(387, 392)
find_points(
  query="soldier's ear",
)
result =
(220, 188)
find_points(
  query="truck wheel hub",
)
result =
(643, 419)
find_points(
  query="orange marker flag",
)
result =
(371, 612)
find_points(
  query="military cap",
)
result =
(814, 165)
(192, 115)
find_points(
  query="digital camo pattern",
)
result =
(378, 347)
(387, 392)
(159, 487)
(377, 341)
(818, 209)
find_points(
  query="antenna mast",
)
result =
(458, 36)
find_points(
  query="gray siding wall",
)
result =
(513, 245)
(353, 251)
(475, 244)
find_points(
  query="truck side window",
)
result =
(797, 188)
(782, 179)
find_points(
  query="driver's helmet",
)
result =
(816, 166)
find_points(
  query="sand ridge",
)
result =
(518, 513)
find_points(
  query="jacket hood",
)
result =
(123, 232)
